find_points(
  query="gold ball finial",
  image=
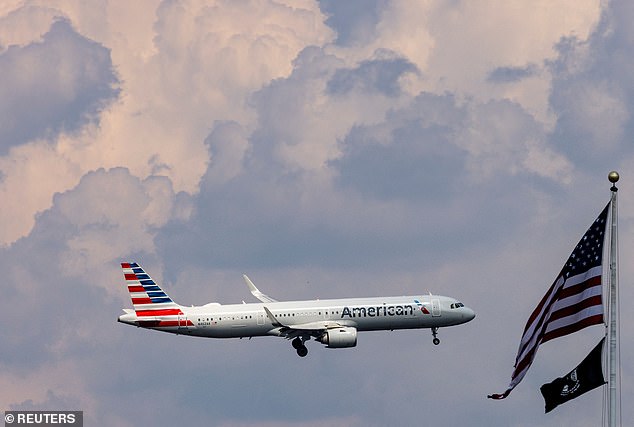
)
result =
(613, 177)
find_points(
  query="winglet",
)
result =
(256, 292)
(273, 319)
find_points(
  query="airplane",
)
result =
(332, 322)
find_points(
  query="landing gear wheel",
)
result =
(297, 343)
(434, 332)
(302, 351)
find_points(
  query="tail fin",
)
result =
(147, 297)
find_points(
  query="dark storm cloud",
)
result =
(511, 74)
(593, 92)
(58, 295)
(257, 217)
(436, 149)
(354, 20)
(380, 75)
(40, 299)
(418, 158)
(57, 84)
(395, 181)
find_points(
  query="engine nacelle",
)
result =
(342, 337)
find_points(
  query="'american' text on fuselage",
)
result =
(378, 311)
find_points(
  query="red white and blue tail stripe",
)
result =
(152, 306)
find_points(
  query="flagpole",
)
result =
(613, 177)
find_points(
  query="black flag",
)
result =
(585, 377)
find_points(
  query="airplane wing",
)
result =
(256, 292)
(315, 329)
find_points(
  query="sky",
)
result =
(327, 149)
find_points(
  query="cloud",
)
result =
(406, 165)
(354, 20)
(227, 144)
(57, 84)
(411, 156)
(511, 74)
(456, 46)
(592, 92)
(72, 251)
(66, 273)
(380, 75)
(179, 68)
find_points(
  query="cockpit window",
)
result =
(456, 305)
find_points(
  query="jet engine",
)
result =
(339, 337)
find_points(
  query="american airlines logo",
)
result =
(378, 311)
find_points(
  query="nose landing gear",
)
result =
(298, 344)
(434, 332)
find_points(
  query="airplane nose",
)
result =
(468, 314)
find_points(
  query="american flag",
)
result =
(572, 303)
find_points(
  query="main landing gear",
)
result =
(298, 344)
(434, 332)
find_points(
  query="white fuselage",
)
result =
(332, 322)
(365, 314)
